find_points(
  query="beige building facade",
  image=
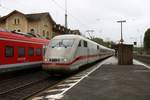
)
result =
(38, 23)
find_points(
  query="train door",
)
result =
(85, 51)
(44, 50)
(82, 52)
(1, 52)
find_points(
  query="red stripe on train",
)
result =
(73, 61)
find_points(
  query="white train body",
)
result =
(69, 52)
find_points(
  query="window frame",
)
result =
(85, 43)
(19, 52)
(36, 52)
(98, 47)
(12, 55)
(18, 20)
(32, 30)
(29, 54)
(15, 21)
(80, 44)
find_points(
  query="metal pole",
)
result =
(66, 14)
(121, 40)
(121, 34)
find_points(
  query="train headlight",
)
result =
(45, 59)
(65, 59)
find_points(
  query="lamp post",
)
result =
(66, 14)
(121, 21)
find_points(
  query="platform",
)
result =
(113, 82)
(108, 81)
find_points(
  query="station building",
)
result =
(38, 23)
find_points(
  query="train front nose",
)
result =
(57, 60)
(56, 65)
(58, 55)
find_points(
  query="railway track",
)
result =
(58, 91)
(22, 87)
(143, 58)
(25, 86)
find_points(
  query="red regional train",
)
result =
(20, 51)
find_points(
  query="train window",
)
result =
(97, 47)
(9, 51)
(38, 51)
(79, 44)
(21, 51)
(62, 43)
(31, 52)
(85, 43)
(44, 50)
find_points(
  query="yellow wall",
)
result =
(34, 25)
(40, 26)
(46, 27)
(21, 25)
(2, 25)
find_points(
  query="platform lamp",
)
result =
(121, 21)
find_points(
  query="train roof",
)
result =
(21, 38)
(79, 37)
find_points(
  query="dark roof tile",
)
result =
(30, 17)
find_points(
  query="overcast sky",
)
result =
(97, 15)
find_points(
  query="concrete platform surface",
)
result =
(113, 82)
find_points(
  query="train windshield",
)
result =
(62, 43)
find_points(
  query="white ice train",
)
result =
(67, 53)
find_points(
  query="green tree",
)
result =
(147, 41)
(98, 40)
(101, 42)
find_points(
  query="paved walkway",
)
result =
(113, 82)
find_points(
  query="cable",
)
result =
(62, 8)
(1, 6)
(5, 8)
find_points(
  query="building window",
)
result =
(31, 52)
(21, 51)
(46, 25)
(18, 21)
(32, 30)
(38, 51)
(19, 30)
(15, 21)
(9, 51)
(44, 33)
(47, 34)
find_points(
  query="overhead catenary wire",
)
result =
(77, 20)
(56, 3)
(8, 9)
(4, 7)
(63, 9)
